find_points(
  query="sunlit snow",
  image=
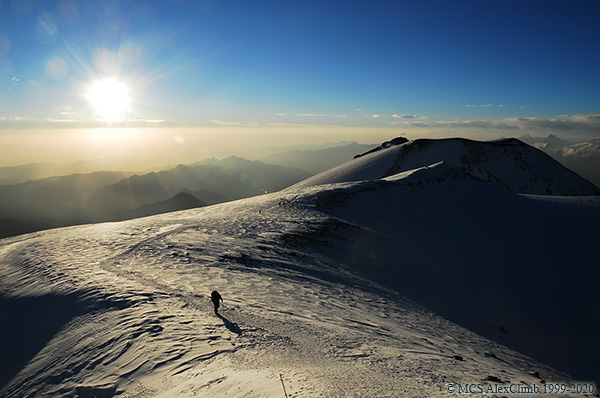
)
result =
(320, 284)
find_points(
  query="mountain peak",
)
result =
(386, 144)
(180, 168)
(509, 163)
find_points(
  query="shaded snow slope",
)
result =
(333, 286)
(504, 265)
(508, 163)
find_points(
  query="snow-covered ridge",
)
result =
(508, 163)
(352, 288)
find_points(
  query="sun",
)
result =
(109, 99)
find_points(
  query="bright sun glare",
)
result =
(109, 99)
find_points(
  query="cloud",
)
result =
(343, 115)
(271, 124)
(244, 124)
(502, 124)
(13, 119)
(404, 116)
(564, 123)
(51, 120)
(284, 124)
(376, 116)
(150, 120)
(583, 149)
(582, 124)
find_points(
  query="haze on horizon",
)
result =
(185, 80)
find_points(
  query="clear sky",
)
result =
(426, 66)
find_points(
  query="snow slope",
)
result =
(509, 163)
(332, 286)
(482, 256)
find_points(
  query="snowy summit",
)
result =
(415, 270)
(509, 163)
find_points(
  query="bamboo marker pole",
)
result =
(285, 392)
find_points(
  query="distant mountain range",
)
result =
(37, 171)
(117, 195)
(317, 160)
(181, 201)
(211, 181)
(111, 196)
(311, 158)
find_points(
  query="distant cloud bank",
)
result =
(582, 125)
(578, 126)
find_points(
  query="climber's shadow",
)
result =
(231, 326)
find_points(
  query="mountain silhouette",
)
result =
(111, 196)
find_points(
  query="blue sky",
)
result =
(378, 64)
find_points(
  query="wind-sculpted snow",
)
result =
(318, 285)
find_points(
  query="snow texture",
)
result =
(348, 289)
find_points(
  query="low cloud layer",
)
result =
(582, 149)
(569, 125)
